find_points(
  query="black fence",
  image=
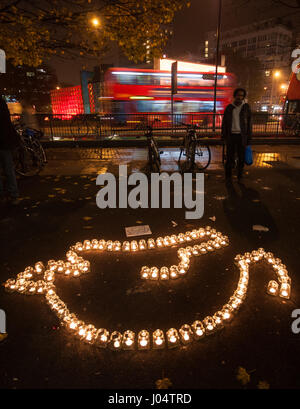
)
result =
(131, 126)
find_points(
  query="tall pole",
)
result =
(217, 61)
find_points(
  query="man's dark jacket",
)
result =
(9, 138)
(245, 123)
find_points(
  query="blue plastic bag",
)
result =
(248, 155)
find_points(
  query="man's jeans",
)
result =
(7, 164)
(235, 147)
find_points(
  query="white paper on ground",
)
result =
(258, 227)
(137, 230)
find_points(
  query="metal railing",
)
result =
(130, 126)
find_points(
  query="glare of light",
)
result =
(57, 87)
(95, 22)
(276, 74)
(283, 86)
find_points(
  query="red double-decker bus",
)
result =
(144, 91)
(291, 107)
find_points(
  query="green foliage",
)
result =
(33, 30)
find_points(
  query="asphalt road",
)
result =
(58, 208)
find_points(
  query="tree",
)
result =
(34, 30)
(248, 70)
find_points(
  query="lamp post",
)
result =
(276, 74)
(217, 60)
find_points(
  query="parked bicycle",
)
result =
(194, 154)
(154, 161)
(29, 157)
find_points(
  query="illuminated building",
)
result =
(67, 101)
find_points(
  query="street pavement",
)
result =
(58, 208)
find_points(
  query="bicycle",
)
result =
(29, 156)
(153, 151)
(197, 155)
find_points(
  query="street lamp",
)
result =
(95, 22)
(276, 75)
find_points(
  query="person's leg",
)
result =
(230, 151)
(9, 171)
(241, 158)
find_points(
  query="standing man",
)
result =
(8, 142)
(236, 132)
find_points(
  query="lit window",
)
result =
(267, 73)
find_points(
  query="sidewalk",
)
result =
(58, 209)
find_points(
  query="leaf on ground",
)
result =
(87, 218)
(243, 376)
(263, 385)
(51, 195)
(139, 222)
(87, 227)
(88, 198)
(164, 383)
(67, 200)
(3, 336)
(213, 218)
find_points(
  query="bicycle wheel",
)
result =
(202, 156)
(186, 158)
(27, 162)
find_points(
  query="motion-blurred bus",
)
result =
(292, 103)
(144, 91)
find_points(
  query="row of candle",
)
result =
(159, 339)
(144, 340)
(184, 254)
(134, 245)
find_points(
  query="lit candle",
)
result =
(134, 245)
(128, 340)
(164, 273)
(285, 290)
(151, 244)
(102, 245)
(173, 338)
(209, 325)
(186, 334)
(102, 338)
(273, 288)
(145, 273)
(159, 242)
(198, 329)
(109, 245)
(39, 267)
(142, 245)
(117, 246)
(154, 273)
(158, 339)
(174, 272)
(94, 244)
(87, 245)
(126, 246)
(143, 340)
(115, 342)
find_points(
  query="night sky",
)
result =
(190, 26)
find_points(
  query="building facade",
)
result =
(270, 41)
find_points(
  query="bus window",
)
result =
(126, 79)
(292, 107)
